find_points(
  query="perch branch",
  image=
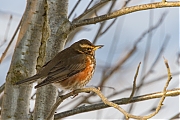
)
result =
(98, 106)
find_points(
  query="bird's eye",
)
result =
(88, 49)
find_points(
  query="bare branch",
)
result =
(154, 62)
(123, 11)
(2, 88)
(126, 2)
(147, 83)
(90, 14)
(134, 82)
(175, 116)
(164, 92)
(165, 42)
(7, 48)
(91, 9)
(82, 109)
(88, 5)
(74, 8)
(7, 30)
(108, 26)
(103, 24)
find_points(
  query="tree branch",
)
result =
(74, 8)
(9, 44)
(163, 92)
(98, 106)
(134, 82)
(123, 11)
(91, 9)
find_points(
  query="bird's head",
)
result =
(85, 46)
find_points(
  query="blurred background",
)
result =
(126, 42)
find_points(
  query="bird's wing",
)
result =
(64, 69)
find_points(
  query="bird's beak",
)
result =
(98, 46)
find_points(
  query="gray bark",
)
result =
(15, 103)
(55, 33)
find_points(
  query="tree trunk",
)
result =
(16, 98)
(55, 32)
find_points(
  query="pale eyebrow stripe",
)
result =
(86, 46)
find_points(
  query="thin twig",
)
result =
(108, 27)
(154, 63)
(147, 83)
(2, 88)
(175, 117)
(7, 30)
(91, 9)
(165, 43)
(88, 5)
(133, 49)
(73, 32)
(164, 92)
(114, 44)
(103, 24)
(158, 56)
(134, 82)
(7, 48)
(74, 8)
(123, 11)
(146, 55)
(126, 2)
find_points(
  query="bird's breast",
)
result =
(80, 79)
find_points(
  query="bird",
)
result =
(70, 69)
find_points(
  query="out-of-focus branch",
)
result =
(88, 13)
(103, 24)
(164, 92)
(7, 48)
(103, 32)
(82, 109)
(7, 30)
(2, 88)
(91, 9)
(134, 82)
(147, 83)
(123, 11)
(74, 8)
(165, 43)
(107, 76)
(88, 5)
(151, 67)
(175, 116)
(160, 52)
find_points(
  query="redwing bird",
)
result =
(70, 69)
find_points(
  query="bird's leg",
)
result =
(74, 95)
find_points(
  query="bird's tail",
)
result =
(29, 80)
